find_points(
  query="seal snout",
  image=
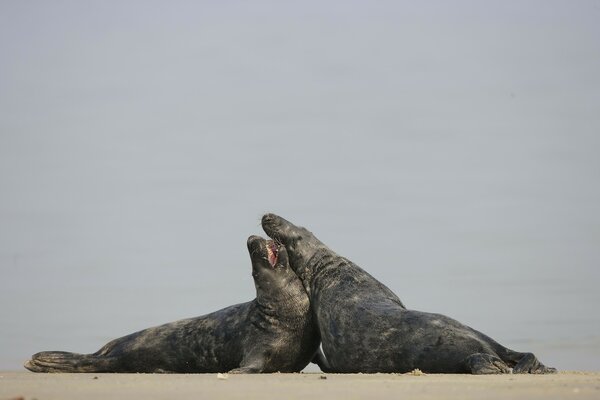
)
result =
(273, 225)
(266, 249)
(268, 217)
(269, 220)
(253, 241)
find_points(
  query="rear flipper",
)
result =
(529, 364)
(61, 361)
(320, 359)
(481, 364)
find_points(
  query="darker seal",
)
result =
(274, 332)
(364, 327)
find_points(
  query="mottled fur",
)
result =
(364, 327)
(273, 332)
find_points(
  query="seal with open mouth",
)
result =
(365, 328)
(274, 332)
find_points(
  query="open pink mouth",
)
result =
(272, 253)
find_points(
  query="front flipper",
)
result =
(485, 364)
(253, 363)
(250, 369)
(529, 364)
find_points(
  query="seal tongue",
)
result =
(272, 253)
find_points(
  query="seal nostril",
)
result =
(267, 218)
(269, 224)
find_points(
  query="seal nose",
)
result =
(252, 241)
(268, 219)
(272, 224)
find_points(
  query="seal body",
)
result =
(274, 332)
(364, 327)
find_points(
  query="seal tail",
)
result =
(62, 361)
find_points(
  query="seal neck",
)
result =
(285, 298)
(290, 308)
(320, 260)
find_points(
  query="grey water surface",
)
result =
(449, 148)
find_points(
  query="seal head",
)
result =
(303, 247)
(277, 286)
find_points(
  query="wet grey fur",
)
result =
(364, 327)
(271, 333)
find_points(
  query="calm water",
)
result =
(450, 150)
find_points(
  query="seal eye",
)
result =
(272, 253)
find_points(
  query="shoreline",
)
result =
(43, 386)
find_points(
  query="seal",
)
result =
(274, 332)
(364, 327)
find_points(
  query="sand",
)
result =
(564, 385)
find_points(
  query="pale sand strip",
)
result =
(565, 385)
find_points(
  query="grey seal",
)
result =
(274, 332)
(364, 327)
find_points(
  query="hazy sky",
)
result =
(449, 148)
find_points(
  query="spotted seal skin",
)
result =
(364, 327)
(274, 332)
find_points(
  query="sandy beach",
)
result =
(564, 385)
